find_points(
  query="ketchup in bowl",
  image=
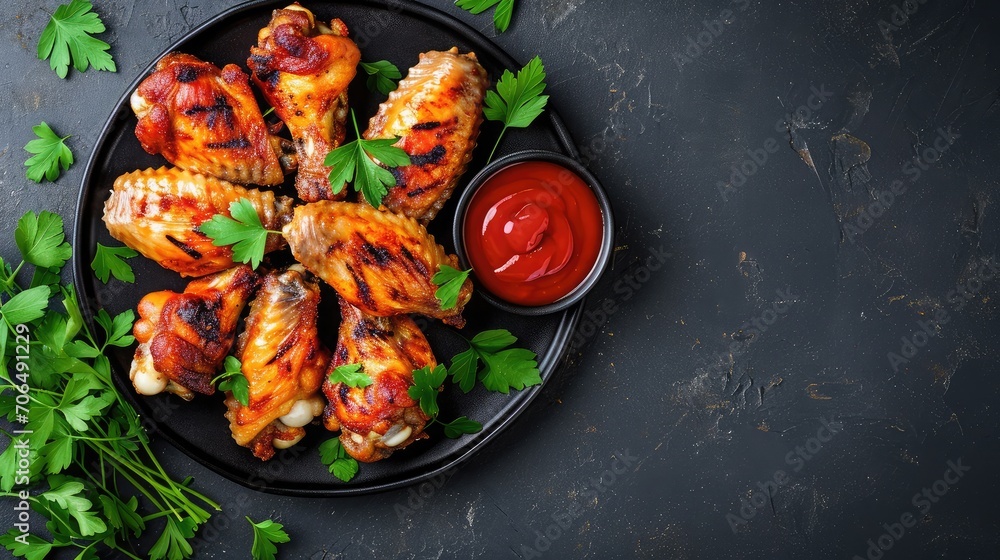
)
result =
(533, 232)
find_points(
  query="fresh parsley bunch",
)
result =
(89, 456)
(84, 441)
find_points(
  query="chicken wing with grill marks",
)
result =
(206, 120)
(380, 418)
(436, 111)
(157, 212)
(378, 261)
(284, 363)
(304, 67)
(183, 338)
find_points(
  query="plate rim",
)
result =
(548, 365)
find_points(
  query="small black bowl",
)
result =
(607, 239)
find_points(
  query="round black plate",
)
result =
(389, 30)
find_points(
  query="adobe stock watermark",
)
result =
(20, 436)
(913, 169)
(754, 328)
(625, 287)
(419, 496)
(760, 496)
(757, 158)
(563, 520)
(959, 296)
(922, 503)
(899, 16)
(697, 44)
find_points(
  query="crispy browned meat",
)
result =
(378, 261)
(304, 67)
(380, 418)
(207, 121)
(283, 361)
(436, 111)
(183, 338)
(157, 212)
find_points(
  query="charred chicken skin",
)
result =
(436, 112)
(157, 212)
(303, 67)
(183, 338)
(380, 418)
(206, 120)
(378, 261)
(284, 363)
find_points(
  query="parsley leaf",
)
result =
(350, 375)
(463, 369)
(426, 384)
(517, 101)
(66, 493)
(504, 368)
(382, 76)
(333, 455)
(243, 231)
(501, 16)
(26, 306)
(514, 368)
(117, 330)
(355, 162)
(35, 548)
(41, 239)
(265, 535)
(67, 38)
(450, 281)
(109, 262)
(173, 542)
(493, 341)
(51, 154)
(233, 380)
(461, 425)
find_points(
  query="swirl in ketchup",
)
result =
(533, 232)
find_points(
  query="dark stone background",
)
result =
(679, 376)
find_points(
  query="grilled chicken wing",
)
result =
(157, 212)
(380, 418)
(436, 111)
(183, 338)
(207, 121)
(284, 363)
(304, 67)
(378, 261)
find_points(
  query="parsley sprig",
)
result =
(266, 535)
(232, 379)
(518, 100)
(355, 162)
(89, 455)
(334, 456)
(503, 368)
(382, 76)
(501, 16)
(110, 261)
(51, 155)
(242, 229)
(350, 375)
(425, 389)
(67, 38)
(449, 281)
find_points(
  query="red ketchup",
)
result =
(533, 232)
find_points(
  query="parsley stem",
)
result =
(495, 146)
(13, 275)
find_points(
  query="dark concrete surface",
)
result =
(758, 353)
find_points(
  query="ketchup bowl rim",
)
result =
(607, 221)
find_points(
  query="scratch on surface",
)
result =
(813, 390)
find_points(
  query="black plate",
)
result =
(397, 32)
